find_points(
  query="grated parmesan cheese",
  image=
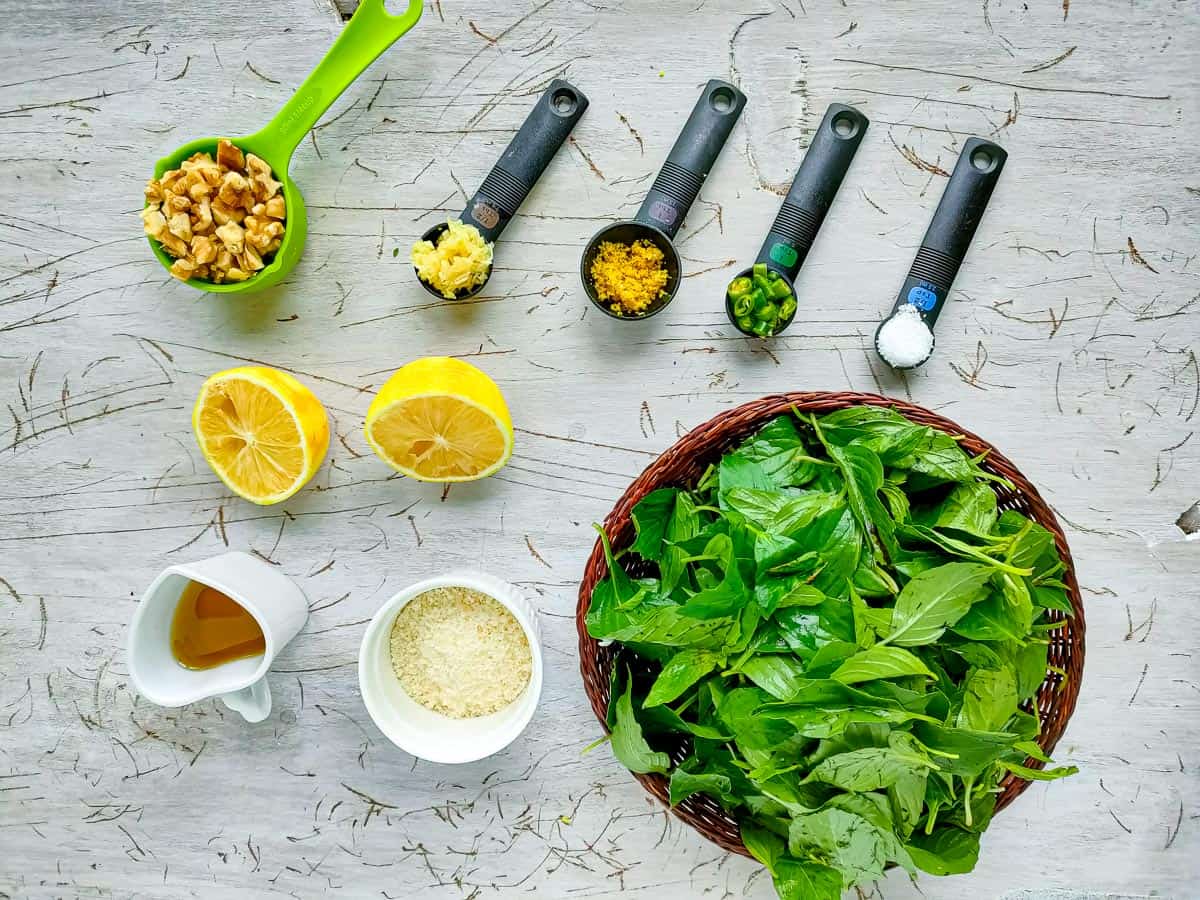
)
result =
(460, 652)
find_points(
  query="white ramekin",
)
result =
(423, 732)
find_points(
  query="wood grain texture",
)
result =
(1071, 343)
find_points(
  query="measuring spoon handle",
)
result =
(953, 226)
(525, 159)
(370, 31)
(696, 149)
(813, 189)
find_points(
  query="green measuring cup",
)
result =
(371, 31)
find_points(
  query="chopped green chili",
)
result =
(761, 303)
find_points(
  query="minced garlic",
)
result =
(459, 652)
(631, 276)
(460, 260)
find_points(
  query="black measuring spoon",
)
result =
(519, 168)
(941, 253)
(672, 193)
(796, 226)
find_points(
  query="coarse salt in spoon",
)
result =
(904, 340)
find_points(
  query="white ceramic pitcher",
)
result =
(275, 601)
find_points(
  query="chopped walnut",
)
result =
(203, 221)
(230, 156)
(176, 246)
(223, 212)
(154, 223)
(232, 235)
(250, 260)
(234, 188)
(183, 269)
(222, 219)
(180, 225)
(203, 249)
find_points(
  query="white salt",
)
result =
(904, 340)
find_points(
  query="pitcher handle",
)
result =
(253, 703)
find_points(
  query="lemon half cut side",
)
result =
(440, 419)
(263, 432)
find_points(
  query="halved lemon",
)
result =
(440, 419)
(262, 431)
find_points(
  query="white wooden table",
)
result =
(1071, 342)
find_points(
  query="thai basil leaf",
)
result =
(970, 508)
(726, 597)
(828, 657)
(993, 619)
(738, 710)
(989, 699)
(868, 769)
(775, 552)
(864, 634)
(941, 459)
(891, 436)
(880, 662)
(979, 655)
(864, 477)
(961, 751)
(955, 547)
(738, 471)
(781, 591)
(1049, 597)
(682, 671)
(824, 722)
(807, 628)
(1038, 774)
(1033, 749)
(878, 618)
(659, 621)
(839, 545)
(935, 599)
(780, 451)
(765, 846)
(1029, 663)
(664, 720)
(684, 784)
(897, 501)
(871, 580)
(871, 806)
(618, 589)
(628, 744)
(859, 849)
(805, 879)
(651, 516)
(779, 676)
(948, 851)
(1030, 541)
(907, 799)
(911, 563)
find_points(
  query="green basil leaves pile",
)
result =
(848, 633)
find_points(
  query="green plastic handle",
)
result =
(369, 32)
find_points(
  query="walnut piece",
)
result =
(233, 237)
(221, 219)
(230, 156)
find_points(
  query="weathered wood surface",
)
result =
(1071, 342)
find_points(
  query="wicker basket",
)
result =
(685, 462)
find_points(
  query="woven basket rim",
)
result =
(1056, 697)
